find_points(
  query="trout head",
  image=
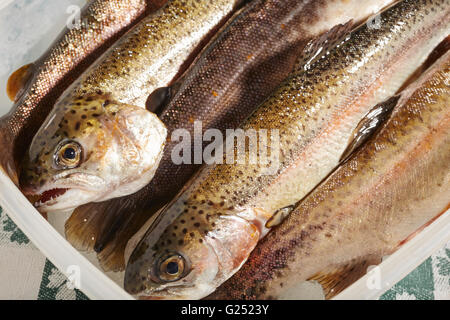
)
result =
(91, 149)
(190, 257)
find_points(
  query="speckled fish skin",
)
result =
(394, 185)
(217, 220)
(101, 23)
(149, 56)
(233, 75)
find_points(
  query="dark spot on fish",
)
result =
(196, 224)
(96, 115)
(77, 126)
(73, 111)
(83, 116)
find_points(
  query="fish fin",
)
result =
(279, 216)
(315, 48)
(336, 279)
(87, 223)
(111, 247)
(369, 125)
(18, 80)
(160, 98)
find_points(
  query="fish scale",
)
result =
(322, 104)
(386, 191)
(152, 53)
(147, 57)
(243, 64)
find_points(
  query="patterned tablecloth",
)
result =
(26, 274)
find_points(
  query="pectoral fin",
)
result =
(18, 80)
(318, 47)
(369, 125)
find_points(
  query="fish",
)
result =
(104, 161)
(205, 234)
(35, 87)
(236, 71)
(386, 191)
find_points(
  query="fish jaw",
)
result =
(64, 199)
(119, 146)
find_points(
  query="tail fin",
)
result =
(87, 224)
(106, 228)
(112, 255)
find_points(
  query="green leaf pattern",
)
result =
(10, 232)
(54, 286)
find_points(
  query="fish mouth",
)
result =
(47, 196)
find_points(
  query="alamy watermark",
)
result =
(73, 273)
(74, 19)
(237, 146)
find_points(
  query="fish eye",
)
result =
(171, 268)
(68, 155)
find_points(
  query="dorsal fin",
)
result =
(370, 124)
(158, 100)
(318, 47)
(18, 80)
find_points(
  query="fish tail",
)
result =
(111, 245)
(106, 227)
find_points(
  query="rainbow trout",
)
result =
(99, 142)
(246, 61)
(34, 88)
(208, 231)
(387, 190)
